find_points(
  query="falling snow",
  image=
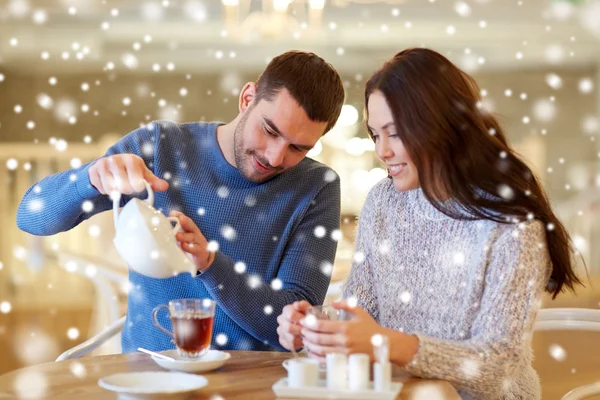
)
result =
(358, 257)
(254, 282)
(221, 339)
(239, 267)
(276, 284)
(320, 232)
(405, 297)
(30, 385)
(557, 352)
(470, 368)
(228, 232)
(506, 192)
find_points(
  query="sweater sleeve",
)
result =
(302, 272)
(480, 366)
(359, 283)
(54, 204)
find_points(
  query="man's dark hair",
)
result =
(310, 80)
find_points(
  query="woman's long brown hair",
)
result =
(460, 151)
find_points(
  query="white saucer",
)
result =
(152, 385)
(213, 359)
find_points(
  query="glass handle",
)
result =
(157, 324)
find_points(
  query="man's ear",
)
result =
(247, 95)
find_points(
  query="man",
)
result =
(245, 185)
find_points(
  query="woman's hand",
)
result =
(355, 336)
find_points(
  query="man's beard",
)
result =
(242, 156)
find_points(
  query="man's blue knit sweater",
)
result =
(280, 249)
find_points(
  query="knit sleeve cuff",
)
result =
(426, 351)
(218, 272)
(84, 188)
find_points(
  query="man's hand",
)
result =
(289, 324)
(193, 242)
(123, 173)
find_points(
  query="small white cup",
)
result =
(358, 371)
(303, 372)
(337, 371)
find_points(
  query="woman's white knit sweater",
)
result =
(469, 290)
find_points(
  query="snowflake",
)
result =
(91, 271)
(320, 232)
(36, 205)
(507, 384)
(327, 268)
(506, 192)
(5, 307)
(228, 232)
(222, 192)
(213, 246)
(268, 309)
(470, 368)
(336, 235)
(78, 369)
(352, 302)
(221, 339)
(12, 164)
(31, 385)
(557, 352)
(554, 81)
(458, 258)
(250, 201)
(239, 267)
(276, 284)
(377, 340)
(254, 282)
(330, 176)
(20, 253)
(94, 231)
(586, 85)
(385, 247)
(359, 257)
(310, 321)
(35, 348)
(405, 297)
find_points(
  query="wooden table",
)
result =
(247, 375)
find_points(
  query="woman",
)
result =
(454, 249)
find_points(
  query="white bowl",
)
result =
(152, 385)
(213, 359)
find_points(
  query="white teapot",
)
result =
(145, 239)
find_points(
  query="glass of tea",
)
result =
(192, 321)
(329, 313)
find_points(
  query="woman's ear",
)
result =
(247, 95)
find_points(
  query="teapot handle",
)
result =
(116, 198)
(177, 228)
